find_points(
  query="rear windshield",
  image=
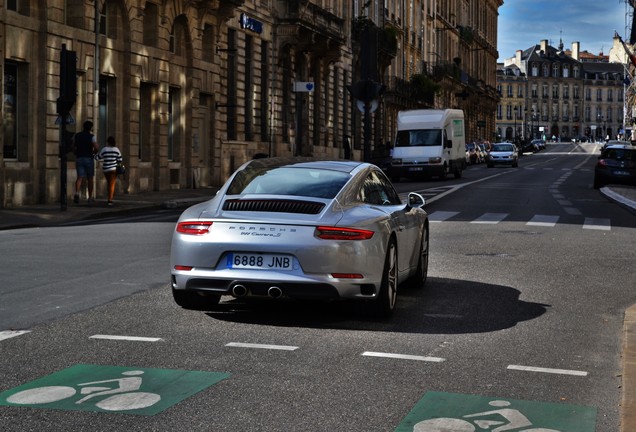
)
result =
(309, 182)
(416, 138)
(621, 154)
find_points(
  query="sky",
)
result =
(524, 23)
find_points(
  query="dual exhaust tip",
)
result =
(239, 290)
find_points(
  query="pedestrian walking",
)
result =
(110, 157)
(85, 146)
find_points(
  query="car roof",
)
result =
(620, 146)
(306, 162)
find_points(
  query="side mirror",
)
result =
(415, 200)
(448, 144)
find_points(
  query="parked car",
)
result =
(527, 147)
(539, 144)
(616, 164)
(301, 228)
(472, 154)
(503, 153)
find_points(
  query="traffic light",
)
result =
(366, 90)
(68, 81)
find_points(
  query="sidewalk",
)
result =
(45, 215)
(51, 215)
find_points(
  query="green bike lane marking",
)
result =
(450, 412)
(128, 390)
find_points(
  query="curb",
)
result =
(619, 199)
(628, 406)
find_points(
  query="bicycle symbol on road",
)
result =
(514, 421)
(126, 396)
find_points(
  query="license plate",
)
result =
(621, 173)
(259, 261)
(416, 169)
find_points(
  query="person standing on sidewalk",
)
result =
(85, 146)
(110, 157)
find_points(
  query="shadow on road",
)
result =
(444, 306)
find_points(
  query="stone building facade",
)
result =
(567, 94)
(191, 89)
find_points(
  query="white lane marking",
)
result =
(403, 356)
(547, 370)
(126, 338)
(439, 216)
(597, 224)
(543, 220)
(572, 211)
(8, 334)
(490, 218)
(261, 346)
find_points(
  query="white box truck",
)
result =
(429, 143)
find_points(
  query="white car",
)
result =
(304, 229)
(502, 154)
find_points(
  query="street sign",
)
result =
(438, 411)
(142, 391)
(303, 86)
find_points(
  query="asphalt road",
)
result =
(530, 273)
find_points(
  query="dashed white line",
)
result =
(8, 334)
(261, 346)
(403, 356)
(547, 370)
(440, 216)
(126, 338)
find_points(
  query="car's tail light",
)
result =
(183, 268)
(194, 227)
(602, 162)
(338, 233)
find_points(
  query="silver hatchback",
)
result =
(502, 154)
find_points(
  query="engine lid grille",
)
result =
(274, 206)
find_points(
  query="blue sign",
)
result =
(251, 24)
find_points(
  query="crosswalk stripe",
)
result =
(440, 216)
(597, 224)
(490, 218)
(543, 220)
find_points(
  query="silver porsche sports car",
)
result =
(301, 228)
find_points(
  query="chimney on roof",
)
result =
(576, 51)
(544, 46)
(518, 58)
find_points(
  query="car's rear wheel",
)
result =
(418, 280)
(195, 301)
(383, 305)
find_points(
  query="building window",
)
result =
(610, 95)
(232, 84)
(519, 91)
(545, 91)
(509, 90)
(146, 95)
(576, 72)
(20, 6)
(264, 75)
(555, 91)
(15, 111)
(566, 92)
(555, 70)
(207, 43)
(546, 70)
(535, 70)
(249, 88)
(174, 129)
(534, 91)
(599, 95)
(576, 92)
(566, 71)
(151, 24)
(588, 94)
(74, 13)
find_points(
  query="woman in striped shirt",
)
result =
(110, 157)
